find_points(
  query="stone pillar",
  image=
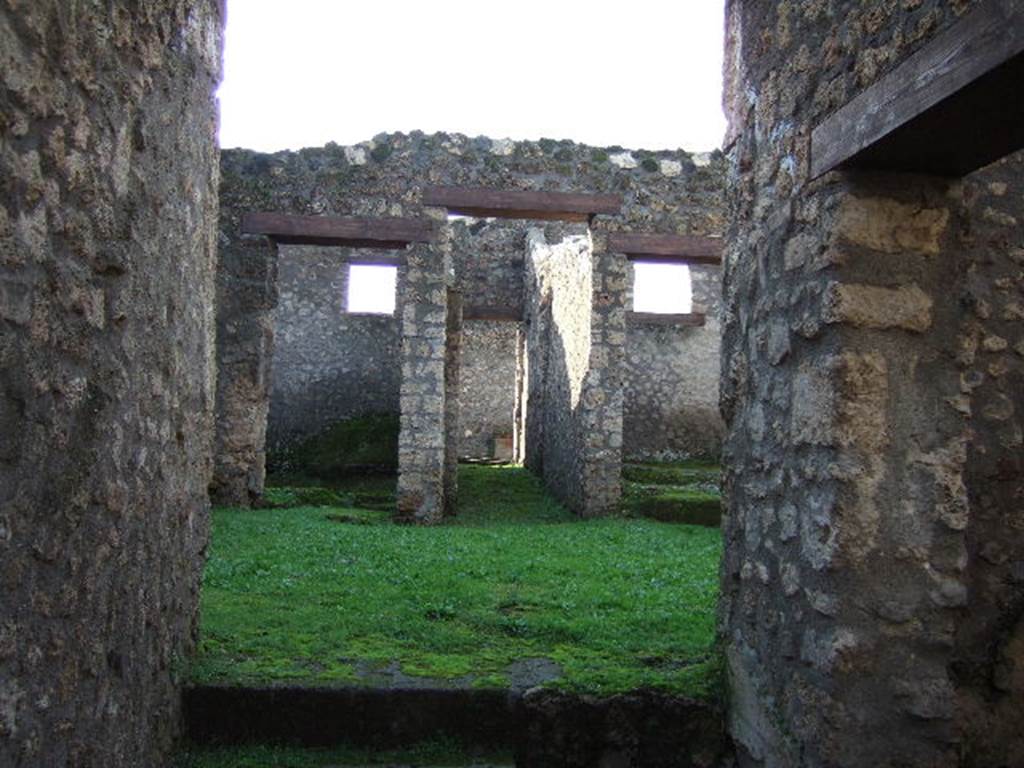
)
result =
(423, 303)
(601, 403)
(519, 412)
(246, 298)
(988, 665)
(452, 389)
(575, 336)
(843, 578)
(848, 361)
(108, 207)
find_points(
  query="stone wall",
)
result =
(108, 168)
(664, 191)
(246, 296)
(328, 364)
(488, 384)
(424, 463)
(865, 621)
(575, 319)
(488, 256)
(671, 399)
(558, 316)
(988, 666)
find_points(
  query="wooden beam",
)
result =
(952, 107)
(503, 314)
(387, 234)
(518, 204)
(656, 318)
(678, 249)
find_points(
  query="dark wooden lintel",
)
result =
(679, 249)
(520, 204)
(382, 234)
(655, 318)
(503, 314)
(950, 108)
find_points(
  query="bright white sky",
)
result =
(371, 288)
(662, 288)
(644, 74)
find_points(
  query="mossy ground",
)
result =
(292, 595)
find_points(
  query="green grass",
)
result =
(363, 491)
(292, 596)
(266, 756)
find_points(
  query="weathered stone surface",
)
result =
(890, 226)
(329, 366)
(871, 403)
(246, 296)
(108, 165)
(488, 387)
(423, 306)
(644, 729)
(672, 373)
(871, 306)
(985, 499)
(575, 333)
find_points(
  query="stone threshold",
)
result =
(542, 727)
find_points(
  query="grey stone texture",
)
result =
(871, 402)
(315, 377)
(671, 398)
(424, 463)
(109, 171)
(488, 391)
(329, 364)
(575, 320)
(246, 297)
(989, 651)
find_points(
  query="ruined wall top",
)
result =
(664, 190)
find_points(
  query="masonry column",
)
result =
(108, 210)
(843, 579)
(423, 301)
(603, 387)
(246, 298)
(452, 410)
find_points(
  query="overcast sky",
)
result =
(641, 74)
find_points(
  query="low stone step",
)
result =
(543, 728)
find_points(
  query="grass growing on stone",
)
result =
(293, 596)
(268, 756)
(680, 492)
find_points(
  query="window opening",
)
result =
(662, 288)
(371, 288)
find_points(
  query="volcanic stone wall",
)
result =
(666, 191)
(671, 398)
(108, 167)
(575, 323)
(246, 297)
(872, 405)
(559, 275)
(488, 385)
(429, 314)
(328, 364)
(988, 666)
